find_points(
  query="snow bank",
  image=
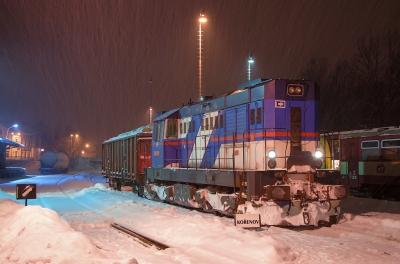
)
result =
(34, 234)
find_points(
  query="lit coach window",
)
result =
(295, 90)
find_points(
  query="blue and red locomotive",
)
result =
(254, 150)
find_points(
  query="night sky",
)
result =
(84, 66)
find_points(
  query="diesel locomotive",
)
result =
(255, 150)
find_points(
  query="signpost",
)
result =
(248, 220)
(26, 191)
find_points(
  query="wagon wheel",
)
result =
(139, 189)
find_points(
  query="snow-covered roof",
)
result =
(4, 141)
(143, 129)
(380, 131)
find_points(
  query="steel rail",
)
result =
(146, 240)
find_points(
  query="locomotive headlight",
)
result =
(295, 89)
(272, 154)
(318, 154)
(272, 164)
(318, 163)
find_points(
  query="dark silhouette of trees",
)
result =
(364, 91)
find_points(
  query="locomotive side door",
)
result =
(351, 155)
(295, 128)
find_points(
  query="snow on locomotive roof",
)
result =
(166, 114)
(253, 83)
(393, 130)
(143, 129)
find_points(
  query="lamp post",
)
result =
(202, 19)
(71, 143)
(72, 146)
(15, 125)
(150, 109)
(250, 61)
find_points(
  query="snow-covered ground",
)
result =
(69, 222)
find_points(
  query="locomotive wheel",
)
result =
(138, 189)
(207, 206)
(218, 213)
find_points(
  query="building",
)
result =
(24, 135)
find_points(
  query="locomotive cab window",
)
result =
(155, 130)
(370, 150)
(160, 131)
(172, 128)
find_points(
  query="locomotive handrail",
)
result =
(264, 135)
(329, 138)
(196, 147)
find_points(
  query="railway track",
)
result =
(145, 241)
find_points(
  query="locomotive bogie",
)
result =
(191, 197)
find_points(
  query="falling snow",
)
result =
(84, 66)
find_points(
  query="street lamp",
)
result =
(72, 149)
(71, 142)
(15, 125)
(150, 109)
(250, 61)
(202, 19)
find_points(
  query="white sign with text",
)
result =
(248, 220)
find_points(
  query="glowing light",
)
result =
(318, 154)
(271, 154)
(250, 61)
(202, 18)
(15, 125)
